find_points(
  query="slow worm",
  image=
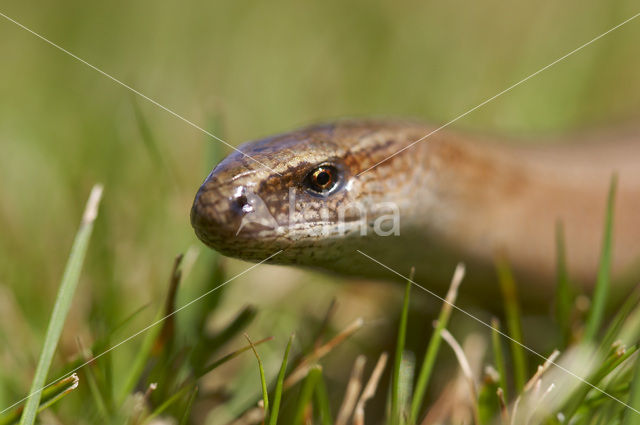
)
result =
(452, 197)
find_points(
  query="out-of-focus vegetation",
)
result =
(243, 70)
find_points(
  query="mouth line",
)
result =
(292, 231)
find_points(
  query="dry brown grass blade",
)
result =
(541, 369)
(168, 327)
(325, 324)
(303, 368)
(504, 412)
(439, 410)
(250, 417)
(466, 371)
(353, 389)
(369, 389)
(534, 383)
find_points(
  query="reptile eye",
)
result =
(322, 179)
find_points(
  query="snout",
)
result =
(217, 213)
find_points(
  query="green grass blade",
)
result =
(140, 361)
(167, 403)
(50, 395)
(56, 392)
(158, 341)
(514, 326)
(322, 402)
(187, 410)
(209, 345)
(64, 298)
(608, 366)
(98, 397)
(498, 356)
(407, 373)
(564, 293)
(146, 134)
(214, 151)
(596, 312)
(277, 396)
(263, 381)
(631, 417)
(228, 357)
(152, 145)
(305, 394)
(434, 345)
(614, 330)
(397, 365)
(488, 401)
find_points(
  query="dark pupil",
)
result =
(323, 178)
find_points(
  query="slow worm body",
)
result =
(449, 198)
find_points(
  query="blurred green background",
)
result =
(243, 70)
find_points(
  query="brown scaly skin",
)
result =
(458, 198)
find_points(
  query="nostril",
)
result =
(241, 204)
